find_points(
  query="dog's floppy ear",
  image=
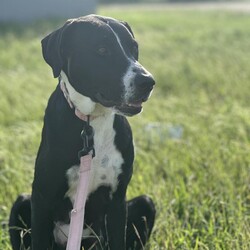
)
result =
(128, 27)
(52, 49)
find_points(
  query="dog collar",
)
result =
(78, 113)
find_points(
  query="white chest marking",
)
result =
(106, 165)
(105, 169)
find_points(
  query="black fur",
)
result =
(72, 49)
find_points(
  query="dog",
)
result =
(96, 61)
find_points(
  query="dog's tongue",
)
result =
(107, 103)
(136, 105)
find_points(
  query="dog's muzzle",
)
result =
(131, 104)
(140, 91)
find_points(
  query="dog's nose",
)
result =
(145, 82)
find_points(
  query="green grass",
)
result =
(200, 181)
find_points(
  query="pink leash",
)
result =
(85, 155)
(77, 213)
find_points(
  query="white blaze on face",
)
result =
(129, 75)
(128, 82)
(83, 103)
(128, 78)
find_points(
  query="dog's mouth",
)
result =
(129, 109)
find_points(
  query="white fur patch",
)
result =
(106, 165)
(128, 82)
(129, 78)
(130, 74)
(61, 232)
(105, 169)
(81, 102)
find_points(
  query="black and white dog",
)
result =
(96, 60)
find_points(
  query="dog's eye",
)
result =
(103, 51)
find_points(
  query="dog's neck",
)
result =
(78, 113)
(84, 107)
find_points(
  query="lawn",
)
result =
(192, 140)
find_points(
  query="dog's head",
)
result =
(97, 57)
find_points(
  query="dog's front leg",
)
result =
(116, 224)
(41, 225)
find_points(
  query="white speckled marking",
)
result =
(106, 166)
(105, 169)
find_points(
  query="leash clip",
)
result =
(87, 136)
